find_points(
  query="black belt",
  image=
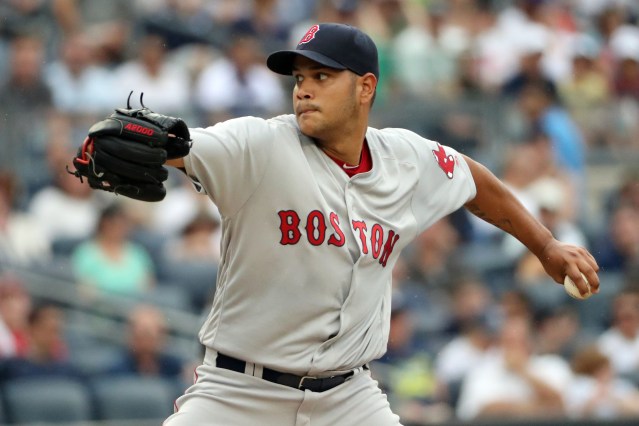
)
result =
(314, 384)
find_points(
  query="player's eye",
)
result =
(298, 78)
(322, 76)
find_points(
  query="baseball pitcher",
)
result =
(316, 207)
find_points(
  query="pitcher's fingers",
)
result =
(573, 271)
(593, 280)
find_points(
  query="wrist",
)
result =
(543, 243)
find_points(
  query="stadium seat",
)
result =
(3, 411)
(94, 359)
(596, 313)
(198, 279)
(133, 397)
(167, 295)
(64, 247)
(47, 399)
(152, 243)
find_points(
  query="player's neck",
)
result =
(348, 154)
(347, 149)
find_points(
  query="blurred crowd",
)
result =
(540, 91)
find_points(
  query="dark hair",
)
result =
(40, 310)
(589, 360)
(9, 187)
(109, 212)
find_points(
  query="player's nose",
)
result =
(303, 91)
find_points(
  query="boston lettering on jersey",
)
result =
(316, 229)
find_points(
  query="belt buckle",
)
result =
(301, 384)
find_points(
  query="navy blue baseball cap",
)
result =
(338, 46)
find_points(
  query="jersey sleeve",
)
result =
(228, 160)
(445, 182)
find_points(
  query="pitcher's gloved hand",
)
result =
(125, 152)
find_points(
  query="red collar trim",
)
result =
(365, 164)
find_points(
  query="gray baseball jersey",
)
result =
(304, 283)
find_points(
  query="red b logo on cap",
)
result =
(310, 34)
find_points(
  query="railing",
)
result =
(104, 317)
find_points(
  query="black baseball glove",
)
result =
(125, 152)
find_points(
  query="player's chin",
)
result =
(308, 125)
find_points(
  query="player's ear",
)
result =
(368, 84)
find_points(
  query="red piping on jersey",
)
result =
(195, 379)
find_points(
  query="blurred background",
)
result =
(101, 297)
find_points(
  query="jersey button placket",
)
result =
(348, 197)
(351, 209)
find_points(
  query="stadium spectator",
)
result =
(181, 203)
(262, 22)
(431, 261)
(406, 373)
(523, 164)
(199, 240)
(627, 192)
(23, 97)
(74, 205)
(625, 44)
(542, 112)
(77, 84)
(472, 301)
(597, 392)
(469, 336)
(47, 354)
(22, 237)
(15, 305)
(109, 262)
(618, 246)
(620, 342)
(530, 71)
(166, 85)
(33, 17)
(557, 331)
(424, 59)
(513, 381)
(146, 352)
(515, 303)
(494, 52)
(586, 92)
(551, 196)
(181, 23)
(108, 25)
(239, 83)
(430, 268)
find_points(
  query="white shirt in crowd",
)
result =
(622, 352)
(490, 381)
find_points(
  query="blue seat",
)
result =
(596, 312)
(94, 359)
(168, 295)
(3, 411)
(198, 279)
(47, 399)
(63, 247)
(133, 397)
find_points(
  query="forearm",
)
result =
(496, 204)
(177, 162)
(545, 395)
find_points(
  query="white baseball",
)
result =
(573, 291)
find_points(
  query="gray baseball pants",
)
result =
(221, 397)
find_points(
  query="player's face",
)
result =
(324, 98)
